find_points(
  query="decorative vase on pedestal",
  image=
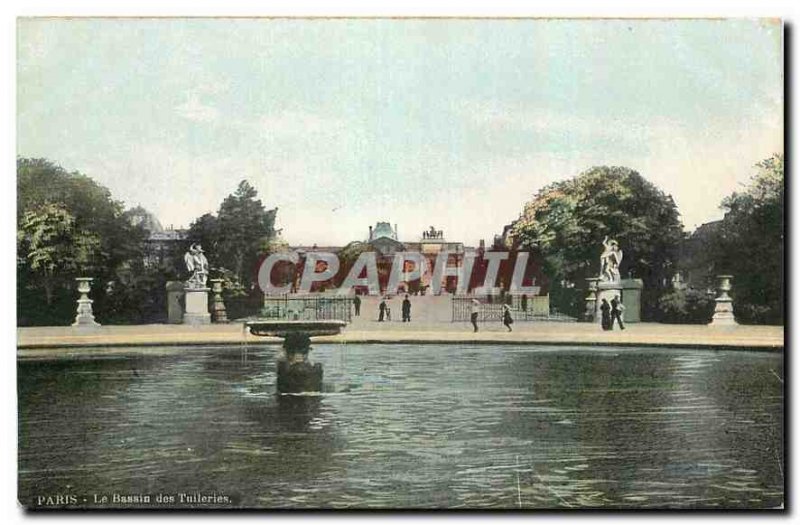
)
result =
(590, 313)
(218, 313)
(84, 316)
(723, 311)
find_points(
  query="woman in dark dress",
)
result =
(605, 311)
(507, 319)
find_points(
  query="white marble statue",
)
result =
(197, 265)
(610, 261)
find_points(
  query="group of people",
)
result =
(505, 315)
(610, 313)
(385, 312)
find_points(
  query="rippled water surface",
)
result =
(403, 426)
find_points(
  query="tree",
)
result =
(235, 240)
(40, 182)
(245, 227)
(205, 231)
(52, 247)
(567, 221)
(67, 224)
(239, 235)
(749, 245)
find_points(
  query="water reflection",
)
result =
(405, 426)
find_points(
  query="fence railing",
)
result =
(490, 308)
(307, 308)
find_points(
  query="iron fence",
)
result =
(490, 308)
(307, 308)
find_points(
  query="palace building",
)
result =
(384, 240)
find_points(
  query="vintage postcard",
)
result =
(400, 263)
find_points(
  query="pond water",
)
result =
(404, 426)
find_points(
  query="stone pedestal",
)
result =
(218, 313)
(196, 306)
(608, 290)
(723, 311)
(590, 312)
(295, 373)
(175, 292)
(84, 316)
(632, 300)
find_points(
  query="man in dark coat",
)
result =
(381, 310)
(616, 312)
(406, 310)
(605, 315)
(357, 305)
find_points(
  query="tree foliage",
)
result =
(239, 234)
(685, 307)
(49, 243)
(749, 245)
(67, 226)
(567, 221)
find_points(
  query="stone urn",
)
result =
(590, 312)
(218, 313)
(723, 311)
(84, 316)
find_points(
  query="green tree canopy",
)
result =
(750, 245)
(67, 225)
(50, 245)
(567, 221)
(238, 235)
(41, 182)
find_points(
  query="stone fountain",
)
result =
(296, 373)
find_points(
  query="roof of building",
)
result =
(384, 229)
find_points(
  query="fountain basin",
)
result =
(282, 328)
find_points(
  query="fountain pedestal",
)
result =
(296, 374)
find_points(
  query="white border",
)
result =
(10, 10)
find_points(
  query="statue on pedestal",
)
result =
(196, 298)
(610, 260)
(197, 265)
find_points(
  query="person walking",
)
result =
(406, 310)
(382, 310)
(616, 312)
(605, 315)
(474, 311)
(507, 319)
(525, 303)
(357, 305)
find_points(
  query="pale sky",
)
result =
(342, 123)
